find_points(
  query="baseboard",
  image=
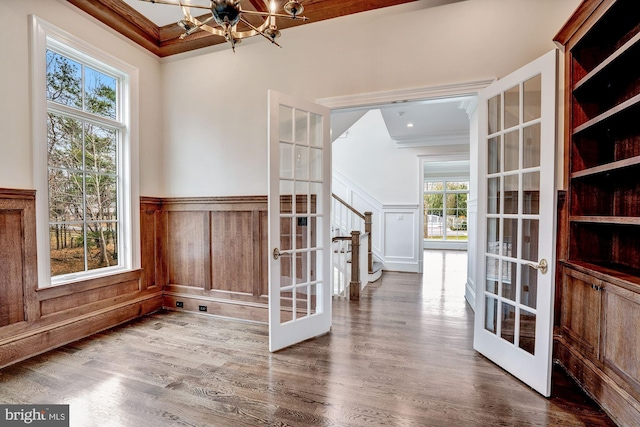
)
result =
(402, 267)
(240, 310)
(470, 294)
(73, 329)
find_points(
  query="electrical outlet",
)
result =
(202, 307)
(179, 304)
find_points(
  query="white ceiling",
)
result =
(443, 121)
(164, 14)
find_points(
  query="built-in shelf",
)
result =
(598, 291)
(612, 220)
(629, 103)
(608, 167)
(607, 62)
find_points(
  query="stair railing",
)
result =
(349, 227)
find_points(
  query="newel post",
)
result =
(354, 286)
(367, 229)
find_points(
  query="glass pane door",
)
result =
(299, 233)
(514, 298)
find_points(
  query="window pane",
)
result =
(65, 196)
(507, 325)
(285, 116)
(457, 185)
(100, 93)
(301, 127)
(100, 197)
(511, 151)
(100, 149)
(493, 196)
(494, 116)
(531, 146)
(64, 142)
(493, 155)
(512, 107)
(102, 245)
(434, 186)
(66, 248)
(493, 236)
(315, 130)
(490, 314)
(64, 80)
(531, 193)
(532, 98)
(527, 340)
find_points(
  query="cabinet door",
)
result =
(620, 352)
(580, 315)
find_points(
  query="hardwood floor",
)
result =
(401, 356)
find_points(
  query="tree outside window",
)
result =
(445, 210)
(82, 160)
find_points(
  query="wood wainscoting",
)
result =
(35, 320)
(210, 254)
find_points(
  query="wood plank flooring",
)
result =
(401, 356)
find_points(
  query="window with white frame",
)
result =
(82, 160)
(445, 210)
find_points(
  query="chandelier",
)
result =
(224, 17)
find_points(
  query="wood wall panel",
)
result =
(57, 315)
(152, 239)
(232, 251)
(216, 255)
(188, 248)
(11, 267)
(75, 300)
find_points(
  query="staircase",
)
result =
(353, 262)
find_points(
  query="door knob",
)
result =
(542, 265)
(277, 254)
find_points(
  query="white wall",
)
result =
(372, 174)
(215, 123)
(15, 141)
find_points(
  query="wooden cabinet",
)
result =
(598, 335)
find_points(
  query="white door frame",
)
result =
(372, 99)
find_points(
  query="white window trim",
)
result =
(43, 33)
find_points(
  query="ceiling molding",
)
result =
(400, 95)
(469, 105)
(165, 41)
(457, 138)
(444, 157)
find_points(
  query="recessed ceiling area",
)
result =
(433, 122)
(153, 25)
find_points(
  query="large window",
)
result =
(82, 161)
(445, 210)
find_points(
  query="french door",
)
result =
(516, 222)
(299, 220)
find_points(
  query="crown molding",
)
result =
(386, 97)
(457, 138)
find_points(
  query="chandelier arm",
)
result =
(277, 15)
(172, 3)
(259, 32)
(196, 28)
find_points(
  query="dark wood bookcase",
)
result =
(598, 326)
